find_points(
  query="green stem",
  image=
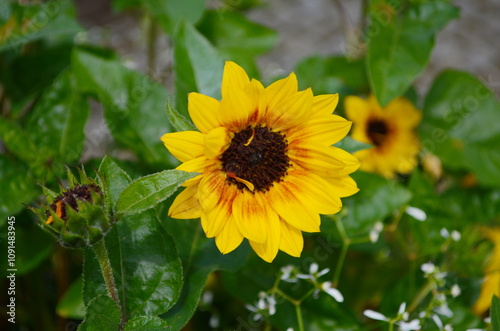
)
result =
(346, 241)
(391, 326)
(300, 322)
(421, 295)
(107, 271)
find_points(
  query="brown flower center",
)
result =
(377, 132)
(70, 197)
(256, 155)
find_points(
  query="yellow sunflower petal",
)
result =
(203, 111)
(291, 241)
(320, 159)
(269, 249)
(252, 217)
(255, 91)
(235, 109)
(281, 90)
(229, 238)
(283, 200)
(185, 145)
(234, 76)
(344, 186)
(357, 109)
(326, 130)
(198, 164)
(211, 189)
(290, 111)
(186, 205)
(325, 104)
(404, 112)
(217, 141)
(314, 191)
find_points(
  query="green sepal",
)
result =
(71, 178)
(49, 194)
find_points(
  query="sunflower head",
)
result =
(76, 216)
(266, 162)
(391, 131)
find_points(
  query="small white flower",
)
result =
(437, 320)
(207, 297)
(286, 274)
(214, 321)
(416, 213)
(409, 326)
(333, 292)
(448, 327)
(313, 272)
(475, 330)
(428, 268)
(444, 310)
(455, 235)
(487, 320)
(374, 315)
(444, 233)
(455, 291)
(375, 232)
(402, 308)
(289, 329)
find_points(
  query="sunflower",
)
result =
(267, 167)
(390, 130)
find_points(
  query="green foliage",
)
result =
(55, 78)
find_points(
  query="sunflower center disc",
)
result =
(377, 131)
(257, 155)
(81, 192)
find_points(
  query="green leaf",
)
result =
(133, 104)
(17, 187)
(71, 304)
(52, 20)
(351, 145)
(400, 41)
(377, 198)
(58, 120)
(102, 313)
(495, 313)
(198, 66)
(150, 323)
(226, 30)
(458, 125)
(113, 180)
(145, 264)
(146, 192)
(169, 14)
(326, 75)
(179, 122)
(200, 257)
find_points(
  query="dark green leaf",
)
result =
(377, 198)
(198, 66)
(495, 313)
(133, 104)
(458, 126)
(52, 20)
(170, 14)
(199, 258)
(102, 313)
(400, 41)
(226, 30)
(179, 122)
(145, 264)
(71, 303)
(113, 180)
(146, 192)
(150, 323)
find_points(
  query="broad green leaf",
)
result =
(133, 104)
(145, 264)
(57, 123)
(400, 41)
(113, 181)
(198, 66)
(150, 323)
(71, 303)
(377, 198)
(328, 75)
(170, 14)
(351, 145)
(146, 192)
(459, 125)
(102, 313)
(495, 313)
(52, 20)
(17, 187)
(226, 30)
(200, 257)
(179, 122)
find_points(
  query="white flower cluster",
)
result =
(265, 306)
(314, 275)
(455, 235)
(401, 320)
